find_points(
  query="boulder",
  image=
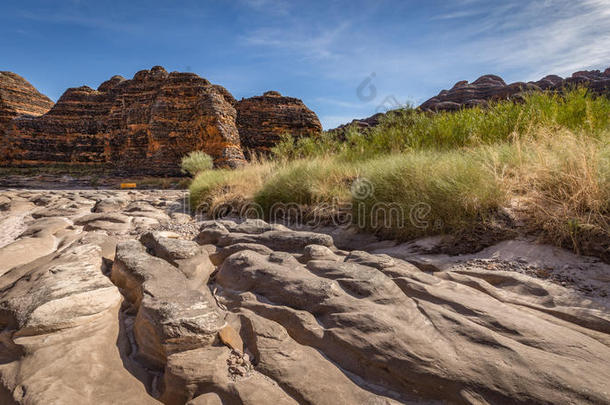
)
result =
(210, 232)
(185, 380)
(111, 204)
(251, 226)
(219, 256)
(171, 317)
(191, 258)
(105, 221)
(317, 252)
(285, 241)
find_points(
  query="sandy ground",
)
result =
(11, 227)
(586, 275)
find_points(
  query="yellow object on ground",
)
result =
(128, 185)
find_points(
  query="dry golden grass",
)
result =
(562, 180)
(213, 189)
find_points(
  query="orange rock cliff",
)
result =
(144, 125)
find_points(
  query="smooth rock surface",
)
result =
(60, 333)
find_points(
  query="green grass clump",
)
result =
(196, 162)
(307, 182)
(205, 183)
(422, 193)
(213, 188)
(563, 183)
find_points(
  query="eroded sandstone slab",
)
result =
(256, 313)
(60, 330)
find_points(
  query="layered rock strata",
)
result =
(99, 305)
(263, 120)
(18, 97)
(144, 125)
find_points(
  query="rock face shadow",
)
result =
(127, 349)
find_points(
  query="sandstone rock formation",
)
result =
(18, 97)
(362, 123)
(482, 90)
(144, 125)
(110, 308)
(491, 87)
(262, 120)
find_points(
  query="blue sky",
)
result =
(345, 59)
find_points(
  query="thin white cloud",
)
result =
(541, 37)
(341, 103)
(457, 15)
(281, 7)
(81, 19)
(333, 121)
(525, 39)
(321, 44)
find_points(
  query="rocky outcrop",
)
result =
(461, 337)
(18, 97)
(143, 125)
(95, 308)
(485, 88)
(597, 81)
(491, 88)
(362, 123)
(262, 120)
